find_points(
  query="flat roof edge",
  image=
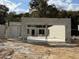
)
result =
(45, 18)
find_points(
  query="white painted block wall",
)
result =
(57, 33)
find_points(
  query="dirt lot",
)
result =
(20, 50)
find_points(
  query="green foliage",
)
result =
(50, 11)
(3, 14)
(13, 17)
(26, 15)
(40, 5)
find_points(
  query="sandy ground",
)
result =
(20, 50)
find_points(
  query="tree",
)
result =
(34, 3)
(40, 5)
(26, 15)
(62, 14)
(3, 13)
(13, 17)
(52, 11)
(42, 9)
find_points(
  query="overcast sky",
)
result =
(22, 6)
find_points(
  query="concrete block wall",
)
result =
(50, 21)
(12, 31)
(2, 31)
